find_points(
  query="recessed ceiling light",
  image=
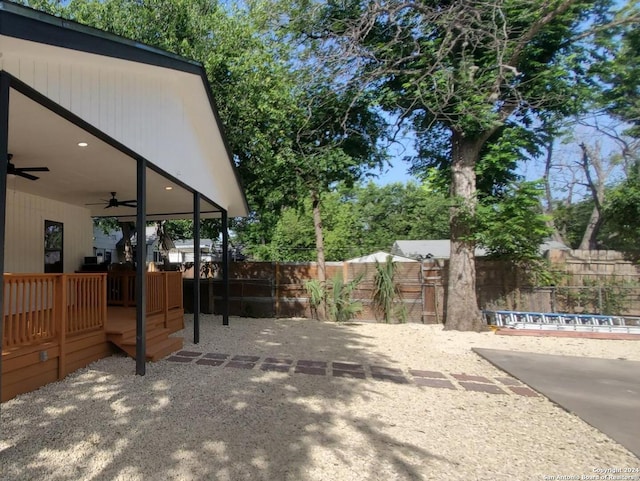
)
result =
(168, 188)
(82, 144)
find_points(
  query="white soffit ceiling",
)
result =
(83, 175)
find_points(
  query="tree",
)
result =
(358, 220)
(597, 156)
(400, 211)
(460, 72)
(623, 209)
(512, 226)
(336, 141)
(619, 70)
(293, 238)
(248, 68)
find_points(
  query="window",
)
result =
(53, 247)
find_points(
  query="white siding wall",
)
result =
(143, 107)
(24, 239)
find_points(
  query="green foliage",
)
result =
(600, 296)
(619, 68)
(459, 74)
(179, 229)
(249, 69)
(317, 295)
(341, 307)
(106, 224)
(386, 292)
(293, 237)
(620, 230)
(622, 209)
(356, 221)
(512, 225)
(400, 211)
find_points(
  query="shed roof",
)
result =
(437, 249)
(380, 256)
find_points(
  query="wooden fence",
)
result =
(273, 289)
(594, 283)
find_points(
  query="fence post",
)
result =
(599, 299)
(60, 302)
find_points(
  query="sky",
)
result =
(567, 154)
(397, 172)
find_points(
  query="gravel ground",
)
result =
(184, 421)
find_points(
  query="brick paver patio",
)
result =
(430, 379)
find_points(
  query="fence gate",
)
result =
(431, 279)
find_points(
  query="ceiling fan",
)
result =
(22, 171)
(113, 202)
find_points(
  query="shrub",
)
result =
(341, 307)
(386, 293)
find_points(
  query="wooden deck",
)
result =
(55, 324)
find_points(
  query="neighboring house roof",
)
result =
(436, 249)
(186, 245)
(380, 256)
(552, 245)
(106, 241)
(130, 102)
(150, 234)
(441, 249)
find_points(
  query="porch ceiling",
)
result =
(85, 175)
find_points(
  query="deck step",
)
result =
(162, 349)
(158, 342)
(151, 336)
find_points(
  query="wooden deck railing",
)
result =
(156, 292)
(174, 290)
(43, 307)
(164, 290)
(29, 307)
(121, 288)
(86, 302)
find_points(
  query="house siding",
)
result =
(24, 240)
(155, 112)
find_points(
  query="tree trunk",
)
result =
(164, 242)
(590, 237)
(462, 312)
(322, 273)
(592, 158)
(126, 228)
(548, 208)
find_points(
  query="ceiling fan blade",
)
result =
(26, 176)
(128, 203)
(33, 169)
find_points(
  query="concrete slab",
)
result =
(605, 393)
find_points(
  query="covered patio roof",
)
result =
(72, 84)
(106, 114)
